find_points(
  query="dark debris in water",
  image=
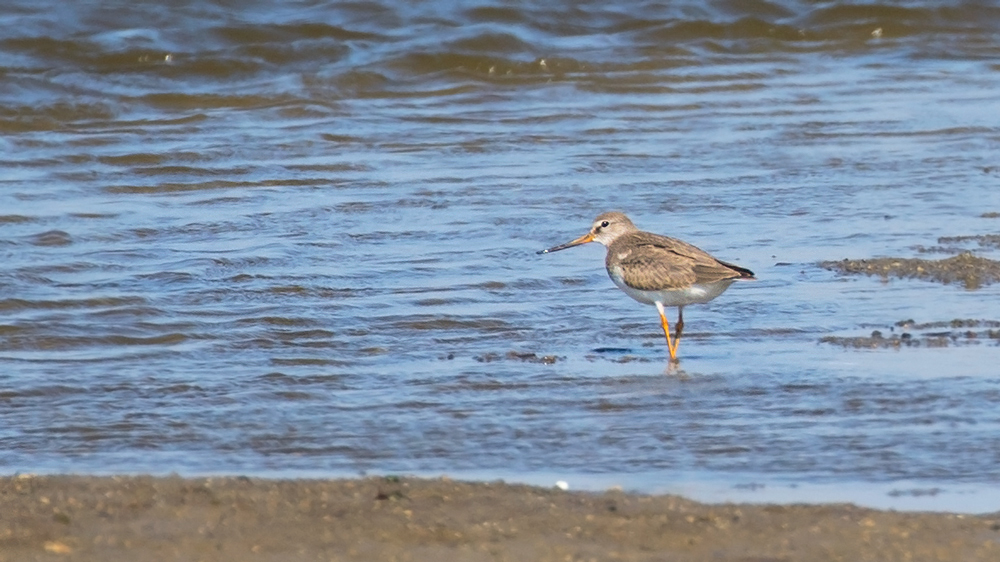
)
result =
(949, 324)
(984, 240)
(939, 249)
(916, 492)
(624, 355)
(965, 268)
(614, 350)
(518, 356)
(632, 359)
(877, 341)
(930, 334)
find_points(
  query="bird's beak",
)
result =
(588, 237)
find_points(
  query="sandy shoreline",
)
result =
(237, 518)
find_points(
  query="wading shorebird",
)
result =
(658, 270)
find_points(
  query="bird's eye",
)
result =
(604, 224)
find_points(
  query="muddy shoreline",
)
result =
(966, 269)
(118, 518)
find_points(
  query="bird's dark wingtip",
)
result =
(744, 272)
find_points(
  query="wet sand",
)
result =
(956, 332)
(236, 518)
(965, 268)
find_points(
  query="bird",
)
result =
(658, 270)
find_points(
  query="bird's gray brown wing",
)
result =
(650, 262)
(651, 268)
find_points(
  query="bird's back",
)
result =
(651, 262)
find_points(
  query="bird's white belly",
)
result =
(694, 294)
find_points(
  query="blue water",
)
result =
(299, 239)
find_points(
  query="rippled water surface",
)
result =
(299, 238)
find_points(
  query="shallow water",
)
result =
(300, 239)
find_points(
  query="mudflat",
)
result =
(137, 518)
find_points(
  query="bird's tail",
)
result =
(744, 272)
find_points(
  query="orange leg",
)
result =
(678, 330)
(671, 345)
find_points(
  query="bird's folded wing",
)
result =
(654, 268)
(671, 264)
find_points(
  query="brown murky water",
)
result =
(298, 238)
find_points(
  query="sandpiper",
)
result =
(658, 270)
